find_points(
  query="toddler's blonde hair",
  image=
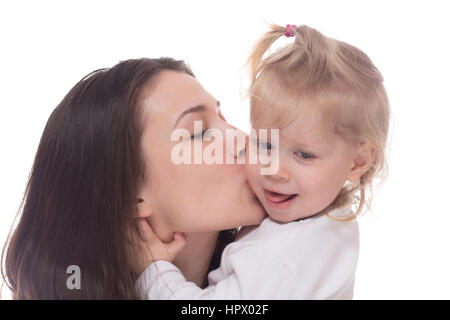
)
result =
(342, 83)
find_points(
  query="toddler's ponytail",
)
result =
(261, 46)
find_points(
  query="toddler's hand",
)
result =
(148, 248)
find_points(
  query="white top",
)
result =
(314, 258)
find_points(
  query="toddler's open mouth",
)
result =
(279, 200)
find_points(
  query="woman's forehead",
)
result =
(172, 91)
(171, 94)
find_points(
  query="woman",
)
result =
(102, 163)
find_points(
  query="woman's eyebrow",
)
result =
(198, 108)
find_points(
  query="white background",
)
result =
(47, 46)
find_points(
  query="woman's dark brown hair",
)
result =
(82, 190)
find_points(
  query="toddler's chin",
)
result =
(282, 216)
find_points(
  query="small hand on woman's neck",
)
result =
(194, 259)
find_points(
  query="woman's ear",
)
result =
(362, 161)
(144, 209)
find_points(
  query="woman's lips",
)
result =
(279, 200)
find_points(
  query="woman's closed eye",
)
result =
(199, 135)
(202, 134)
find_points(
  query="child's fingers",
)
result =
(145, 231)
(177, 244)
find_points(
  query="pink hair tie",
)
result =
(289, 30)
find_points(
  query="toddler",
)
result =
(327, 101)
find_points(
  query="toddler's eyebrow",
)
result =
(305, 143)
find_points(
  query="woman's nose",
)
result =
(243, 152)
(236, 141)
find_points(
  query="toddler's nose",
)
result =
(283, 174)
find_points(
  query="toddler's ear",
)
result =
(362, 161)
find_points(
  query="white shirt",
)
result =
(314, 258)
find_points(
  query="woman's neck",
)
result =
(194, 259)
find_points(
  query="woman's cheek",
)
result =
(253, 176)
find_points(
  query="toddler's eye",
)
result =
(265, 145)
(305, 155)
